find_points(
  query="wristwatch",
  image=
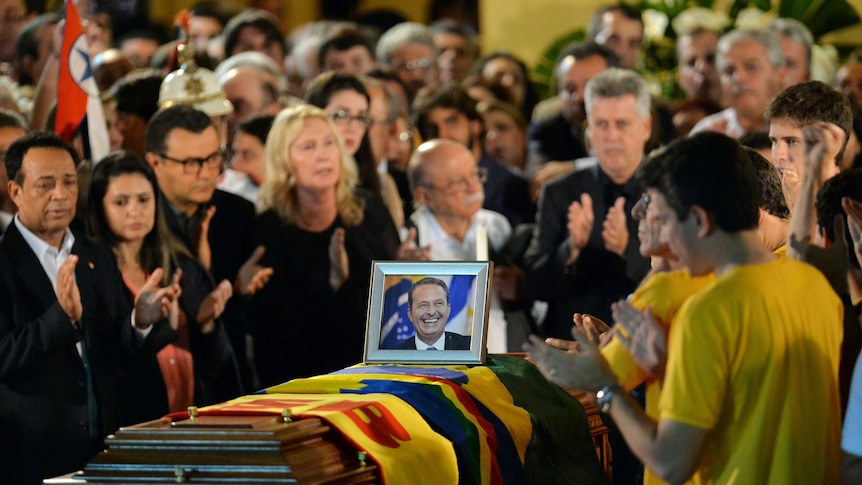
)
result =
(605, 395)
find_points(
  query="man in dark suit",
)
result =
(585, 250)
(65, 324)
(428, 309)
(184, 148)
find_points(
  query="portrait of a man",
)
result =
(428, 310)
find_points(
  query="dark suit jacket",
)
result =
(454, 341)
(598, 277)
(229, 238)
(49, 423)
(552, 139)
(506, 192)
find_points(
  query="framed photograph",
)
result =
(430, 312)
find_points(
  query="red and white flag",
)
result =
(79, 106)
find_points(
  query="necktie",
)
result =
(431, 347)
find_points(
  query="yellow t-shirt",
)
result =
(754, 360)
(664, 294)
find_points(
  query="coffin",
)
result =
(499, 423)
(230, 450)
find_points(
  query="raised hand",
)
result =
(584, 368)
(339, 264)
(548, 171)
(153, 303)
(204, 251)
(580, 222)
(251, 276)
(409, 251)
(213, 305)
(823, 141)
(643, 337)
(596, 331)
(614, 230)
(67, 290)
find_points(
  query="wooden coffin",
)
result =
(230, 450)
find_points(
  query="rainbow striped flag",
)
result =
(488, 432)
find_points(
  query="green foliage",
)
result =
(658, 62)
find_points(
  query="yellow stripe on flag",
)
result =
(390, 431)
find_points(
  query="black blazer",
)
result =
(49, 423)
(454, 341)
(229, 238)
(506, 192)
(598, 277)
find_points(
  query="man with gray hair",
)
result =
(409, 49)
(585, 249)
(751, 66)
(584, 254)
(253, 84)
(796, 41)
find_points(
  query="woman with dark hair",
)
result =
(257, 30)
(503, 68)
(199, 368)
(321, 233)
(245, 174)
(346, 100)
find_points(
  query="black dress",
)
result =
(302, 326)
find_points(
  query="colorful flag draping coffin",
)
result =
(397, 327)
(469, 406)
(391, 432)
(78, 101)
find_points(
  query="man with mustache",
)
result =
(751, 69)
(447, 183)
(428, 308)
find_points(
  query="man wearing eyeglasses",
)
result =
(409, 49)
(559, 137)
(447, 183)
(450, 113)
(184, 149)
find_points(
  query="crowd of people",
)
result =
(703, 254)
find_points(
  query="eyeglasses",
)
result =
(413, 65)
(342, 117)
(194, 165)
(462, 183)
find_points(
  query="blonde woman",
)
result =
(321, 233)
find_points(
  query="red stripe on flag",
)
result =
(71, 99)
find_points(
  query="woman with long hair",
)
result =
(199, 367)
(321, 233)
(346, 100)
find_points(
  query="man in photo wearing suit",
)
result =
(428, 308)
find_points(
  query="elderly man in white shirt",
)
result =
(447, 185)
